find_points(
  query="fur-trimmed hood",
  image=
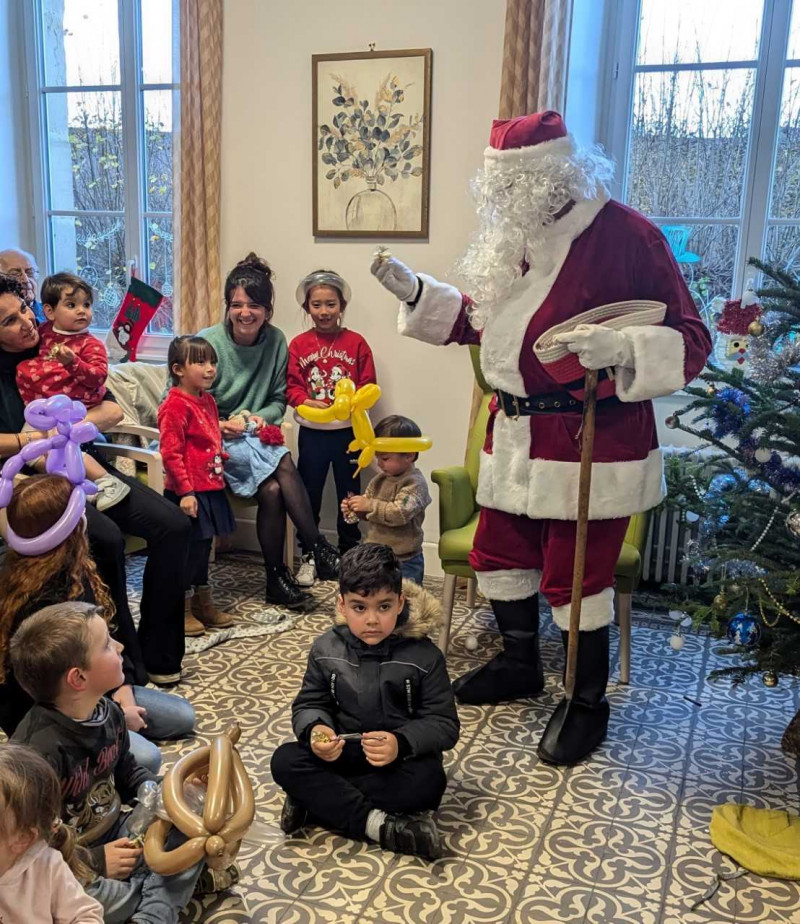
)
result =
(424, 614)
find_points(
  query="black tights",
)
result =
(283, 492)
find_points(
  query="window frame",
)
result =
(616, 117)
(131, 89)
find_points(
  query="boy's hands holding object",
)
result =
(380, 748)
(357, 504)
(122, 856)
(325, 744)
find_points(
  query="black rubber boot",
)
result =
(516, 673)
(326, 559)
(283, 590)
(566, 741)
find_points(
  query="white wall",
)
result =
(266, 178)
(16, 227)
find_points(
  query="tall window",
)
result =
(104, 116)
(705, 122)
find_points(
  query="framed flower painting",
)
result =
(371, 154)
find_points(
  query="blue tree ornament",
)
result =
(744, 630)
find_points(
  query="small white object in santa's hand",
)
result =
(471, 643)
(382, 254)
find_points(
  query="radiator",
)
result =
(664, 559)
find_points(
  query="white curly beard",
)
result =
(518, 200)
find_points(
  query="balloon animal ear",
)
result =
(64, 458)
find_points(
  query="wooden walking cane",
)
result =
(579, 565)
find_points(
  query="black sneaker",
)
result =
(216, 880)
(293, 815)
(283, 590)
(326, 558)
(413, 834)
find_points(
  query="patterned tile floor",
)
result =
(620, 838)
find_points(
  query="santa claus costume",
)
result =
(553, 251)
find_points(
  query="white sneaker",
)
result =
(110, 491)
(307, 572)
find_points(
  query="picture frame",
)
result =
(371, 116)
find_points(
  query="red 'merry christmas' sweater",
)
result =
(318, 361)
(191, 444)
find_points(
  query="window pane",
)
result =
(783, 247)
(690, 31)
(794, 32)
(84, 144)
(80, 42)
(706, 255)
(93, 247)
(157, 106)
(786, 179)
(160, 52)
(159, 270)
(689, 140)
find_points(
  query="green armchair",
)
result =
(458, 519)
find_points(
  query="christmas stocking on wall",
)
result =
(135, 313)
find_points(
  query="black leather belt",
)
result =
(554, 403)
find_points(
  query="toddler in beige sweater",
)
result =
(394, 502)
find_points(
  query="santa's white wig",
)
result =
(519, 192)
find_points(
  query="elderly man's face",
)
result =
(17, 325)
(23, 268)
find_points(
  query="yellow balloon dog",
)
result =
(227, 814)
(347, 402)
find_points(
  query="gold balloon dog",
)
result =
(347, 402)
(227, 814)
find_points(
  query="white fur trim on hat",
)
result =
(558, 147)
(545, 489)
(658, 364)
(433, 317)
(512, 584)
(597, 611)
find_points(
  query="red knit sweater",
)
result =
(318, 361)
(191, 444)
(83, 380)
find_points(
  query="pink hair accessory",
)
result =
(64, 458)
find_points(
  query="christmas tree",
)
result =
(744, 483)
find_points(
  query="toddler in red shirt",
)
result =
(318, 359)
(71, 362)
(191, 449)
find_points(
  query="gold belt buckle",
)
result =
(516, 407)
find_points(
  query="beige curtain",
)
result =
(534, 77)
(197, 192)
(535, 56)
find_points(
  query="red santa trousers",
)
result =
(514, 557)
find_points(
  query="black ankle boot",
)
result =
(566, 741)
(516, 673)
(326, 558)
(283, 590)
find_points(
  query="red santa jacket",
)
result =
(318, 361)
(600, 252)
(83, 380)
(191, 444)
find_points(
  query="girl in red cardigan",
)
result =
(191, 448)
(318, 359)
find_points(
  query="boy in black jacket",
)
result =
(373, 716)
(64, 657)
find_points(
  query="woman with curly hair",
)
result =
(68, 572)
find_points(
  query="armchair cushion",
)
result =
(456, 497)
(456, 544)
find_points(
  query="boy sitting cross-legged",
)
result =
(64, 657)
(373, 716)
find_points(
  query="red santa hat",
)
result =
(528, 137)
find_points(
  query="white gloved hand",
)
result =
(598, 347)
(396, 277)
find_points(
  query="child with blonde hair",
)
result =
(39, 859)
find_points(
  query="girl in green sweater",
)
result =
(251, 384)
